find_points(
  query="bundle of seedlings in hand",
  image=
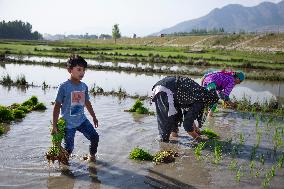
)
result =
(165, 156)
(56, 151)
(139, 108)
(140, 154)
(209, 133)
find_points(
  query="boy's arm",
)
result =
(91, 111)
(56, 111)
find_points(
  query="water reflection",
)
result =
(133, 83)
(68, 178)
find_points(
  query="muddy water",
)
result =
(22, 162)
(109, 80)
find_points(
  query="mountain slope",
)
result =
(265, 16)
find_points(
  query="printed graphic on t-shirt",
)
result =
(77, 103)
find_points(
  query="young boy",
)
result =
(71, 98)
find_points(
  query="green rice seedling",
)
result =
(19, 114)
(2, 129)
(28, 103)
(209, 133)
(277, 137)
(21, 80)
(239, 174)
(235, 151)
(24, 109)
(256, 121)
(217, 153)
(261, 159)
(166, 156)
(280, 161)
(14, 106)
(56, 151)
(139, 108)
(257, 173)
(242, 139)
(198, 150)
(39, 106)
(265, 183)
(268, 175)
(253, 152)
(258, 137)
(6, 115)
(272, 171)
(233, 164)
(34, 100)
(251, 166)
(136, 105)
(140, 154)
(6, 80)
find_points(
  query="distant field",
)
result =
(259, 52)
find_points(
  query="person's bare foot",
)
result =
(174, 134)
(92, 159)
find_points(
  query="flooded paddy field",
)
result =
(251, 154)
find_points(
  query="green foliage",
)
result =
(23, 108)
(233, 164)
(6, 115)
(19, 114)
(57, 138)
(18, 111)
(115, 32)
(166, 156)
(31, 102)
(34, 99)
(209, 133)
(18, 30)
(270, 106)
(198, 149)
(39, 106)
(21, 80)
(139, 108)
(217, 153)
(6, 80)
(54, 151)
(2, 129)
(140, 154)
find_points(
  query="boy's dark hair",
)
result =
(76, 60)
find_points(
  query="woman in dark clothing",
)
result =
(180, 99)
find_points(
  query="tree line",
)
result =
(199, 32)
(18, 30)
